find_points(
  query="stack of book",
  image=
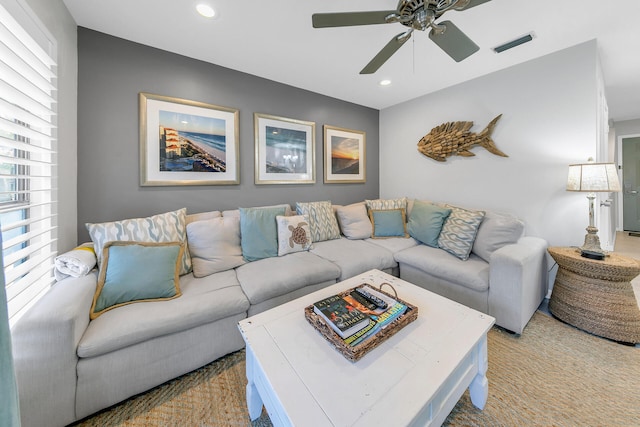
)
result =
(359, 315)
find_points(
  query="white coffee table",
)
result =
(414, 378)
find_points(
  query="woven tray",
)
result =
(354, 353)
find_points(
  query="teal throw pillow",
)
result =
(425, 222)
(136, 272)
(259, 232)
(388, 223)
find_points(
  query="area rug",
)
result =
(552, 375)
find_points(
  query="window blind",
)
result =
(27, 165)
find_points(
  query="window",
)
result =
(27, 170)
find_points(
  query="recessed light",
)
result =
(205, 10)
(385, 82)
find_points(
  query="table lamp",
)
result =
(591, 178)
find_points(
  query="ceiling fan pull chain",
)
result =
(414, 54)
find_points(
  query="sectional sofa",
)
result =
(77, 353)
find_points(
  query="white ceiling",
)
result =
(274, 39)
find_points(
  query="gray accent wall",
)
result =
(111, 74)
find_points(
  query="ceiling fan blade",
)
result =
(469, 4)
(453, 41)
(347, 19)
(386, 52)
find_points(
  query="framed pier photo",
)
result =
(285, 150)
(186, 142)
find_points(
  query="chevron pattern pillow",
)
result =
(383, 204)
(322, 221)
(459, 231)
(166, 227)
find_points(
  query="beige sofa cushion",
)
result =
(353, 220)
(208, 299)
(496, 231)
(214, 245)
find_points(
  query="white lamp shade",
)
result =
(593, 177)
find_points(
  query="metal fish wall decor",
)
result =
(454, 138)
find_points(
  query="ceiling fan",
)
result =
(416, 15)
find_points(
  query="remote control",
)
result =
(372, 298)
(362, 300)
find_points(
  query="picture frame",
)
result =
(344, 155)
(284, 150)
(185, 142)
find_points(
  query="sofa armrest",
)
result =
(45, 340)
(518, 282)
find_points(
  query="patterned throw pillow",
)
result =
(294, 234)
(322, 220)
(382, 204)
(459, 231)
(167, 227)
(137, 272)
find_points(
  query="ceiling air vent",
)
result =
(513, 43)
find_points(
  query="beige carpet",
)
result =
(553, 375)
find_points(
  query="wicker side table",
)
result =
(596, 296)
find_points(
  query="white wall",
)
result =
(549, 121)
(627, 127)
(56, 18)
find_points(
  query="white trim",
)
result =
(28, 79)
(618, 160)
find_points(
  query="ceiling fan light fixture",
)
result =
(513, 43)
(205, 10)
(415, 15)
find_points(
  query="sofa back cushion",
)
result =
(353, 220)
(236, 212)
(214, 245)
(202, 216)
(496, 231)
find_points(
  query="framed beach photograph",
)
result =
(344, 155)
(186, 142)
(284, 150)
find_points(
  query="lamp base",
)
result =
(592, 255)
(591, 247)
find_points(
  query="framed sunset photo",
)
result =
(344, 155)
(186, 142)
